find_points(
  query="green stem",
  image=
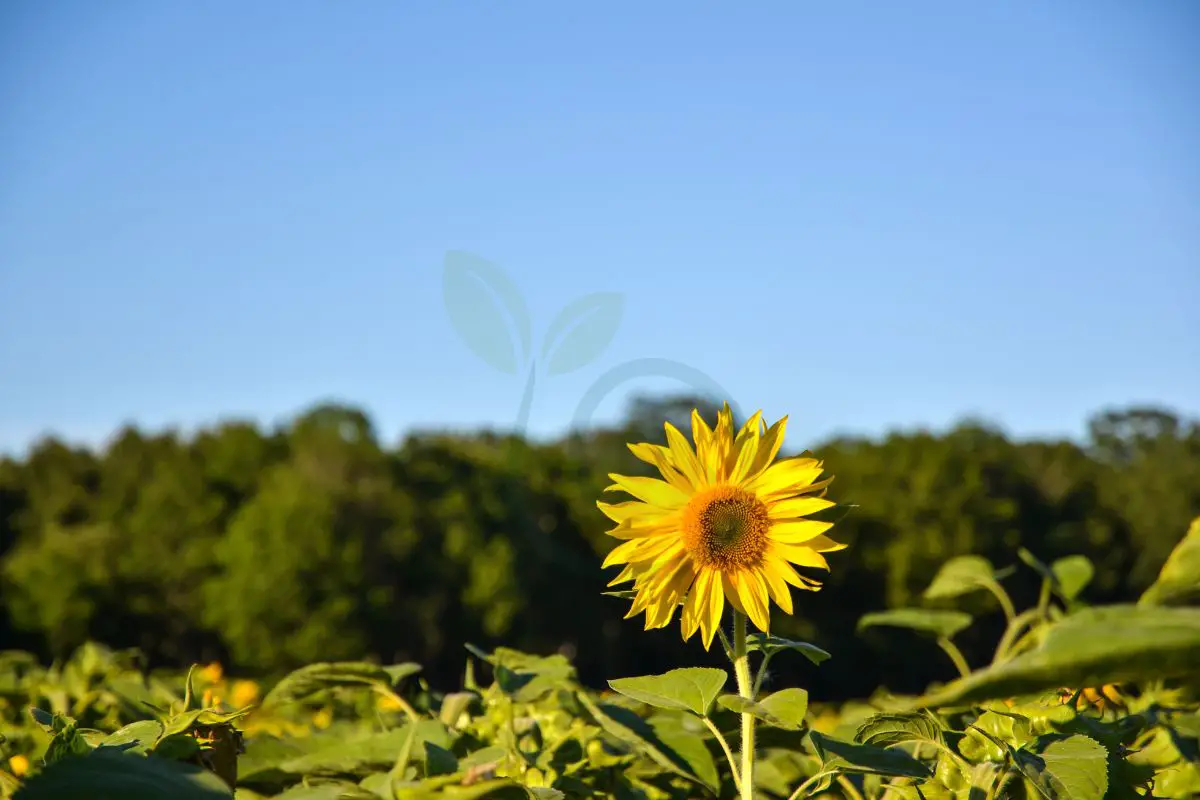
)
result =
(849, 788)
(398, 700)
(1043, 605)
(737, 778)
(956, 655)
(1014, 629)
(812, 779)
(741, 669)
(762, 674)
(1002, 597)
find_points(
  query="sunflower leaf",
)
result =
(849, 757)
(923, 620)
(770, 645)
(690, 689)
(783, 709)
(1093, 647)
(1071, 768)
(960, 576)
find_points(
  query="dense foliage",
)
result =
(267, 550)
(1078, 702)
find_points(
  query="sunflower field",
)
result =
(1080, 702)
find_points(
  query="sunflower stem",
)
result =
(741, 669)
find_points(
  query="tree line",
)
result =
(266, 549)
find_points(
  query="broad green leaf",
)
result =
(113, 776)
(849, 757)
(770, 645)
(1072, 574)
(628, 727)
(1074, 768)
(884, 730)
(68, 741)
(313, 678)
(783, 709)
(201, 716)
(142, 735)
(959, 576)
(328, 790)
(933, 622)
(689, 689)
(1096, 646)
(454, 705)
(359, 755)
(525, 677)
(439, 760)
(689, 745)
(1178, 582)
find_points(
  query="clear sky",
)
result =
(862, 214)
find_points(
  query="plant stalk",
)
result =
(741, 669)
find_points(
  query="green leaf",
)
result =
(689, 689)
(960, 576)
(439, 760)
(524, 677)
(887, 729)
(1074, 768)
(313, 678)
(933, 622)
(67, 742)
(1093, 647)
(783, 709)
(1072, 574)
(848, 757)
(141, 735)
(112, 776)
(628, 727)
(770, 645)
(689, 745)
(1178, 582)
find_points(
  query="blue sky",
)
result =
(865, 215)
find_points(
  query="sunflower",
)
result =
(725, 522)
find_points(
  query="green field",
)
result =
(1081, 702)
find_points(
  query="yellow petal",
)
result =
(786, 571)
(665, 460)
(752, 429)
(777, 586)
(787, 477)
(742, 591)
(684, 456)
(650, 490)
(823, 544)
(697, 603)
(797, 531)
(636, 530)
(799, 506)
(671, 594)
(710, 617)
(630, 510)
(638, 550)
(627, 574)
(768, 448)
(745, 458)
(799, 554)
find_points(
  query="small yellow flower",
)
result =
(323, 718)
(385, 702)
(726, 523)
(19, 765)
(1100, 698)
(213, 672)
(244, 693)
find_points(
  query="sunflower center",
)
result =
(725, 527)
